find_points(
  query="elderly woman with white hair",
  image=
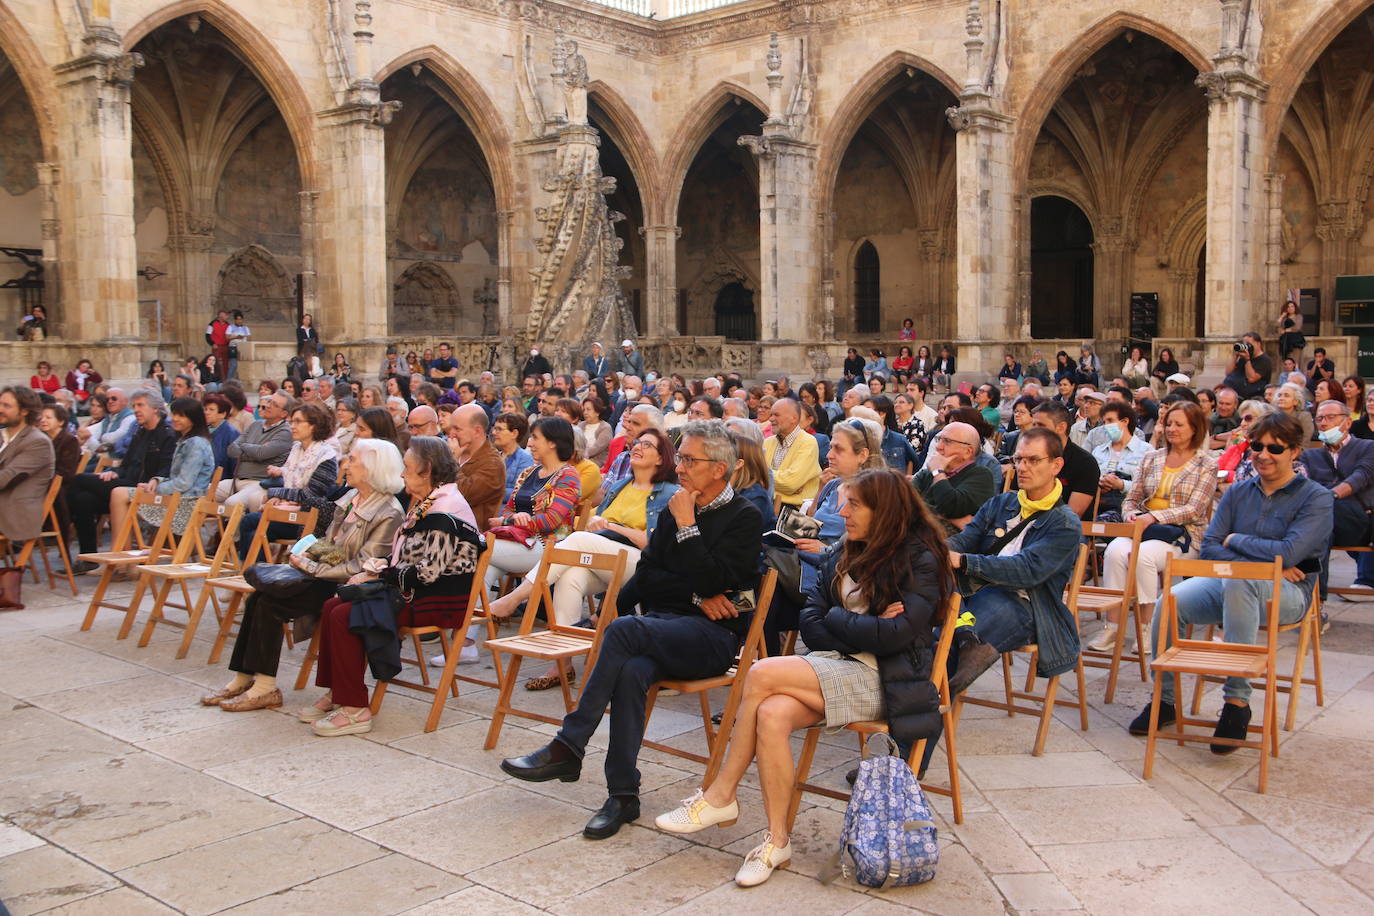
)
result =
(365, 519)
(431, 560)
(1292, 400)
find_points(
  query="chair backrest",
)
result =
(215, 478)
(306, 518)
(1008, 477)
(1094, 530)
(1076, 581)
(939, 672)
(1272, 572)
(226, 558)
(132, 533)
(50, 501)
(543, 595)
(752, 645)
(102, 463)
(584, 513)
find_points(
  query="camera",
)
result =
(1243, 346)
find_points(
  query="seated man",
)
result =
(792, 456)
(423, 421)
(704, 550)
(952, 483)
(1079, 472)
(1345, 466)
(1089, 420)
(1275, 513)
(1018, 552)
(266, 443)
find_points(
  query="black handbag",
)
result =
(371, 590)
(278, 581)
(1169, 534)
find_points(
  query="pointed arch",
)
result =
(1060, 72)
(858, 106)
(35, 75)
(263, 60)
(424, 297)
(629, 136)
(482, 116)
(255, 282)
(707, 114)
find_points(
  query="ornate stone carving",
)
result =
(383, 112)
(253, 280)
(819, 358)
(759, 146)
(959, 117)
(1213, 85)
(570, 74)
(424, 299)
(119, 70)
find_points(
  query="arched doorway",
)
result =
(22, 281)
(734, 310)
(867, 291)
(1061, 269)
(626, 201)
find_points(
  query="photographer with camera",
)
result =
(1250, 369)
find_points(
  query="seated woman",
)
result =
(1175, 486)
(623, 524)
(1020, 419)
(1291, 399)
(541, 506)
(1118, 459)
(431, 560)
(193, 464)
(345, 417)
(222, 432)
(364, 523)
(901, 364)
(869, 622)
(304, 481)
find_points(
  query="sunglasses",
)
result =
(1273, 448)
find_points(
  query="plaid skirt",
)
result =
(853, 692)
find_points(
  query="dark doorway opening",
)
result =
(867, 306)
(735, 318)
(1061, 269)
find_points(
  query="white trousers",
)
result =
(247, 493)
(571, 585)
(1149, 569)
(508, 557)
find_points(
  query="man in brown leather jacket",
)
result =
(481, 471)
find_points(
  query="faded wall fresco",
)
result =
(258, 200)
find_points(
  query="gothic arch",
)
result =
(482, 117)
(629, 135)
(1067, 62)
(254, 281)
(1186, 235)
(1070, 193)
(424, 297)
(707, 114)
(34, 74)
(1305, 49)
(858, 105)
(263, 60)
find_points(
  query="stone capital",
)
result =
(1230, 81)
(977, 113)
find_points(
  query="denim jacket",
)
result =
(1042, 569)
(897, 450)
(193, 464)
(659, 495)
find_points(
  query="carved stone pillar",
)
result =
(96, 197)
(504, 301)
(787, 237)
(1237, 212)
(49, 176)
(1177, 313)
(660, 246)
(310, 293)
(1273, 249)
(985, 258)
(1339, 223)
(1113, 250)
(195, 284)
(350, 219)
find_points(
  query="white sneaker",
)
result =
(1106, 640)
(695, 814)
(437, 661)
(761, 861)
(469, 656)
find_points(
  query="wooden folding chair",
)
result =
(193, 562)
(238, 587)
(585, 510)
(949, 715)
(1124, 602)
(1008, 477)
(558, 644)
(1309, 636)
(51, 529)
(718, 740)
(1358, 590)
(1223, 659)
(1047, 700)
(451, 641)
(124, 555)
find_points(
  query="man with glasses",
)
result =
(423, 421)
(1078, 471)
(1226, 418)
(264, 444)
(952, 483)
(1345, 466)
(443, 371)
(1278, 512)
(701, 557)
(1014, 560)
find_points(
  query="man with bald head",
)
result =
(423, 421)
(481, 470)
(952, 483)
(792, 455)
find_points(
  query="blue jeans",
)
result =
(635, 653)
(1002, 618)
(1236, 604)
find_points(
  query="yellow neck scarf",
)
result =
(1030, 506)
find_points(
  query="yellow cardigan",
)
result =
(799, 476)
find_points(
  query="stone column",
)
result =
(787, 238)
(1112, 274)
(1338, 226)
(49, 176)
(1181, 305)
(96, 196)
(660, 257)
(190, 249)
(350, 220)
(504, 259)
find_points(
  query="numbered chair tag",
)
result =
(291, 517)
(586, 559)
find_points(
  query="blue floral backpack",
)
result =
(888, 838)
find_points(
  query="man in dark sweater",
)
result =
(952, 483)
(703, 553)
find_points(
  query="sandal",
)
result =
(314, 712)
(326, 728)
(550, 681)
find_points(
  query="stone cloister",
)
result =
(789, 177)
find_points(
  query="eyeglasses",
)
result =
(645, 443)
(414, 427)
(1248, 418)
(691, 461)
(950, 441)
(1028, 460)
(1330, 417)
(1273, 448)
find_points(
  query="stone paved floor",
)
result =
(120, 795)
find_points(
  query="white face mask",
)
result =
(679, 406)
(534, 353)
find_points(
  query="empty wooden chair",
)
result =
(1223, 659)
(949, 716)
(1123, 602)
(558, 644)
(1044, 702)
(193, 563)
(750, 651)
(451, 641)
(129, 549)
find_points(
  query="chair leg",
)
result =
(1154, 727)
(447, 682)
(66, 561)
(134, 602)
(1295, 684)
(1114, 667)
(1042, 732)
(226, 624)
(1034, 661)
(568, 703)
(1317, 659)
(193, 623)
(1082, 697)
(312, 652)
(96, 599)
(813, 737)
(375, 705)
(956, 794)
(159, 600)
(1006, 682)
(498, 715)
(1141, 633)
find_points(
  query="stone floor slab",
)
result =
(1030, 893)
(1325, 893)
(390, 884)
(44, 877)
(667, 883)
(123, 901)
(1087, 768)
(1091, 814)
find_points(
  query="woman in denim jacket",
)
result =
(193, 464)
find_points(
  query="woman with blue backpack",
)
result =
(868, 622)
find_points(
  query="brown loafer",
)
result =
(226, 693)
(549, 681)
(269, 700)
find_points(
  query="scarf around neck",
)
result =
(1031, 506)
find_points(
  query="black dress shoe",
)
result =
(1234, 722)
(618, 810)
(1140, 725)
(552, 761)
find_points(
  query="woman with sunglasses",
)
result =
(1175, 486)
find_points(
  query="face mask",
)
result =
(1114, 433)
(679, 406)
(1331, 436)
(534, 353)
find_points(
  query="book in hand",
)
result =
(792, 526)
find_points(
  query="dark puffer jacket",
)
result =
(903, 645)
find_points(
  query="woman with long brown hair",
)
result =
(869, 622)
